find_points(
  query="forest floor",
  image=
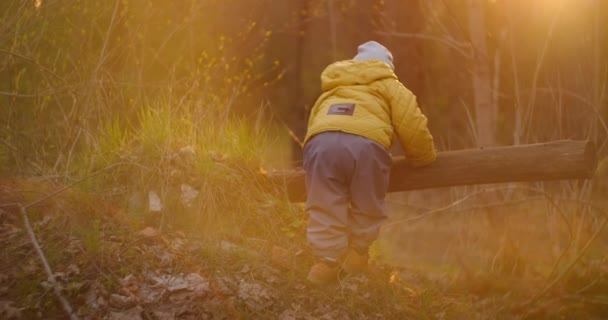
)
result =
(108, 268)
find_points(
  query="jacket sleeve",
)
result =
(410, 125)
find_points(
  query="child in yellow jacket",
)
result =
(346, 157)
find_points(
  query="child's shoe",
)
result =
(355, 261)
(324, 272)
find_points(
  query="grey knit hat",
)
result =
(372, 50)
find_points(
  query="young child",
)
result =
(347, 161)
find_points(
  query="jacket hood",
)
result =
(351, 72)
(373, 50)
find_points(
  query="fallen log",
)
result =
(557, 160)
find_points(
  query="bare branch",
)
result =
(49, 273)
(35, 202)
(30, 95)
(102, 54)
(450, 43)
(14, 54)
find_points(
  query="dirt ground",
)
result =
(524, 258)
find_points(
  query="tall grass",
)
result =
(168, 152)
(134, 89)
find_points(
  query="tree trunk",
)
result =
(485, 109)
(299, 117)
(556, 160)
(331, 19)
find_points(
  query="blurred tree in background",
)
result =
(486, 72)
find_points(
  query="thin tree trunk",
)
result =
(485, 109)
(597, 71)
(517, 108)
(299, 117)
(331, 13)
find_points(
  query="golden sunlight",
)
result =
(304, 159)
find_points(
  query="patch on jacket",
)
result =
(344, 109)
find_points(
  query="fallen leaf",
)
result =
(245, 269)
(149, 294)
(154, 203)
(9, 311)
(411, 293)
(287, 315)
(225, 285)
(182, 296)
(91, 297)
(129, 279)
(255, 296)
(268, 204)
(74, 247)
(393, 278)
(193, 282)
(187, 151)
(74, 287)
(101, 302)
(121, 302)
(149, 232)
(217, 157)
(130, 314)
(165, 257)
(188, 195)
(72, 270)
(9, 231)
(164, 315)
(233, 248)
(270, 275)
(42, 223)
(177, 244)
(59, 276)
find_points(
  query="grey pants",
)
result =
(346, 182)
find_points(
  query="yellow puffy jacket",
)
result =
(365, 98)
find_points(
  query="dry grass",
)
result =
(454, 265)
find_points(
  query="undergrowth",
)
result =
(203, 166)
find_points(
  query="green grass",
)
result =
(163, 150)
